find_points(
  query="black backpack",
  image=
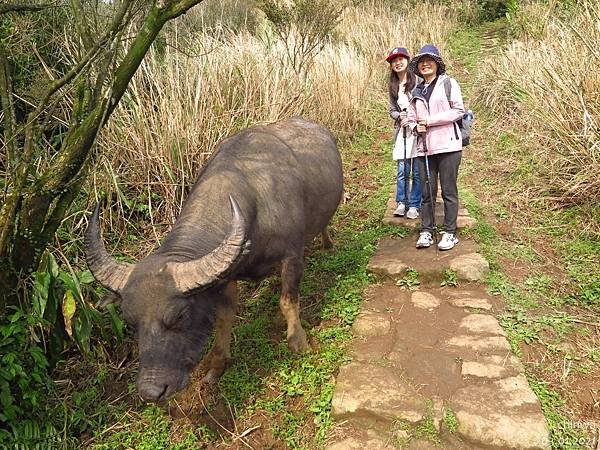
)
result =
(464, 124)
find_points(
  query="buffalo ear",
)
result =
(108, 299)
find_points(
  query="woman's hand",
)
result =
(422, 126)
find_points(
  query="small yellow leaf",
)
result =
(68, 308)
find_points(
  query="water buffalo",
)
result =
(265, 193)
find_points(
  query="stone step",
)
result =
(394, 256)
(434, 358)
(463, 221)
(372, 391)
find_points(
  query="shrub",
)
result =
(180, 107)
(545, 90)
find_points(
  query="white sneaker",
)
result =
(425, 239)
(400, 210)
(412, 213)
(449, 240)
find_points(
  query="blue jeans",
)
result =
(414, 194)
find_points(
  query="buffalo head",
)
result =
(170, 303)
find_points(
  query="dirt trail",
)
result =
(431, 366)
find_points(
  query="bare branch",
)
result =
(20, 7)
(9, 121)
(173, 9)
(110, 34)
(81, 24)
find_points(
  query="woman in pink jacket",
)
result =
(433, 117)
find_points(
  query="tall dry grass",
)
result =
(181, 104)
(546, 89)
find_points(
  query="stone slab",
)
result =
(394, 256)
(504, 414)
(463, 220)
(481, 324)
(359, 444)
(470, 266)
(424, 300)
(479, 343)
(492, 367)
(369, 324)
(370, 391)
(475, 303)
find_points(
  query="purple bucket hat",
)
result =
(433, 53)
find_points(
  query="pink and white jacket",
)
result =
(443, 134)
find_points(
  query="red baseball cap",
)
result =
(398, 51)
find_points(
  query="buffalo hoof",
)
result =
(297, 342)
(216, 366)
(328, 247)
(212, 376)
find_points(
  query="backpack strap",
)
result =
(448, 89)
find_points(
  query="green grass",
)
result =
(563, 433)
(464, 46)
(542, 308)
(450, 420)
(450, 278)
(410, 280)
(427, 429)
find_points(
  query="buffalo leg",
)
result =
(327, 242)
(220, 354)
(291, 273)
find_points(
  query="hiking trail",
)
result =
(431, 366)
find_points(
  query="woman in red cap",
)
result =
(401, 85)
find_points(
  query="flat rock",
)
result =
(386, 265)
(503, 414)
(394, 256)
(463, 220)
(476, 303)
(371, 324)
(470, 267)
(482, 324)
(493, 366)
(420, 444)
(359, 444)
(425, 300)
(479, 343)
(370, 391)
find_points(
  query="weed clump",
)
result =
(544, 89)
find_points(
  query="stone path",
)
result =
(431, 366)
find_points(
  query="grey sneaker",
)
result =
(400, 210)
(449, 240)
(412, 213)
(425, 239)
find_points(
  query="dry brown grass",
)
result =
(545, 88)
(181, 105)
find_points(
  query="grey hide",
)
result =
(265, 193)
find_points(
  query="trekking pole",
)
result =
(404, 174)
(428, 181)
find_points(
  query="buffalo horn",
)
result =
(112, 274)
(204, 272)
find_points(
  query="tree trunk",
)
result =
(32, 212)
